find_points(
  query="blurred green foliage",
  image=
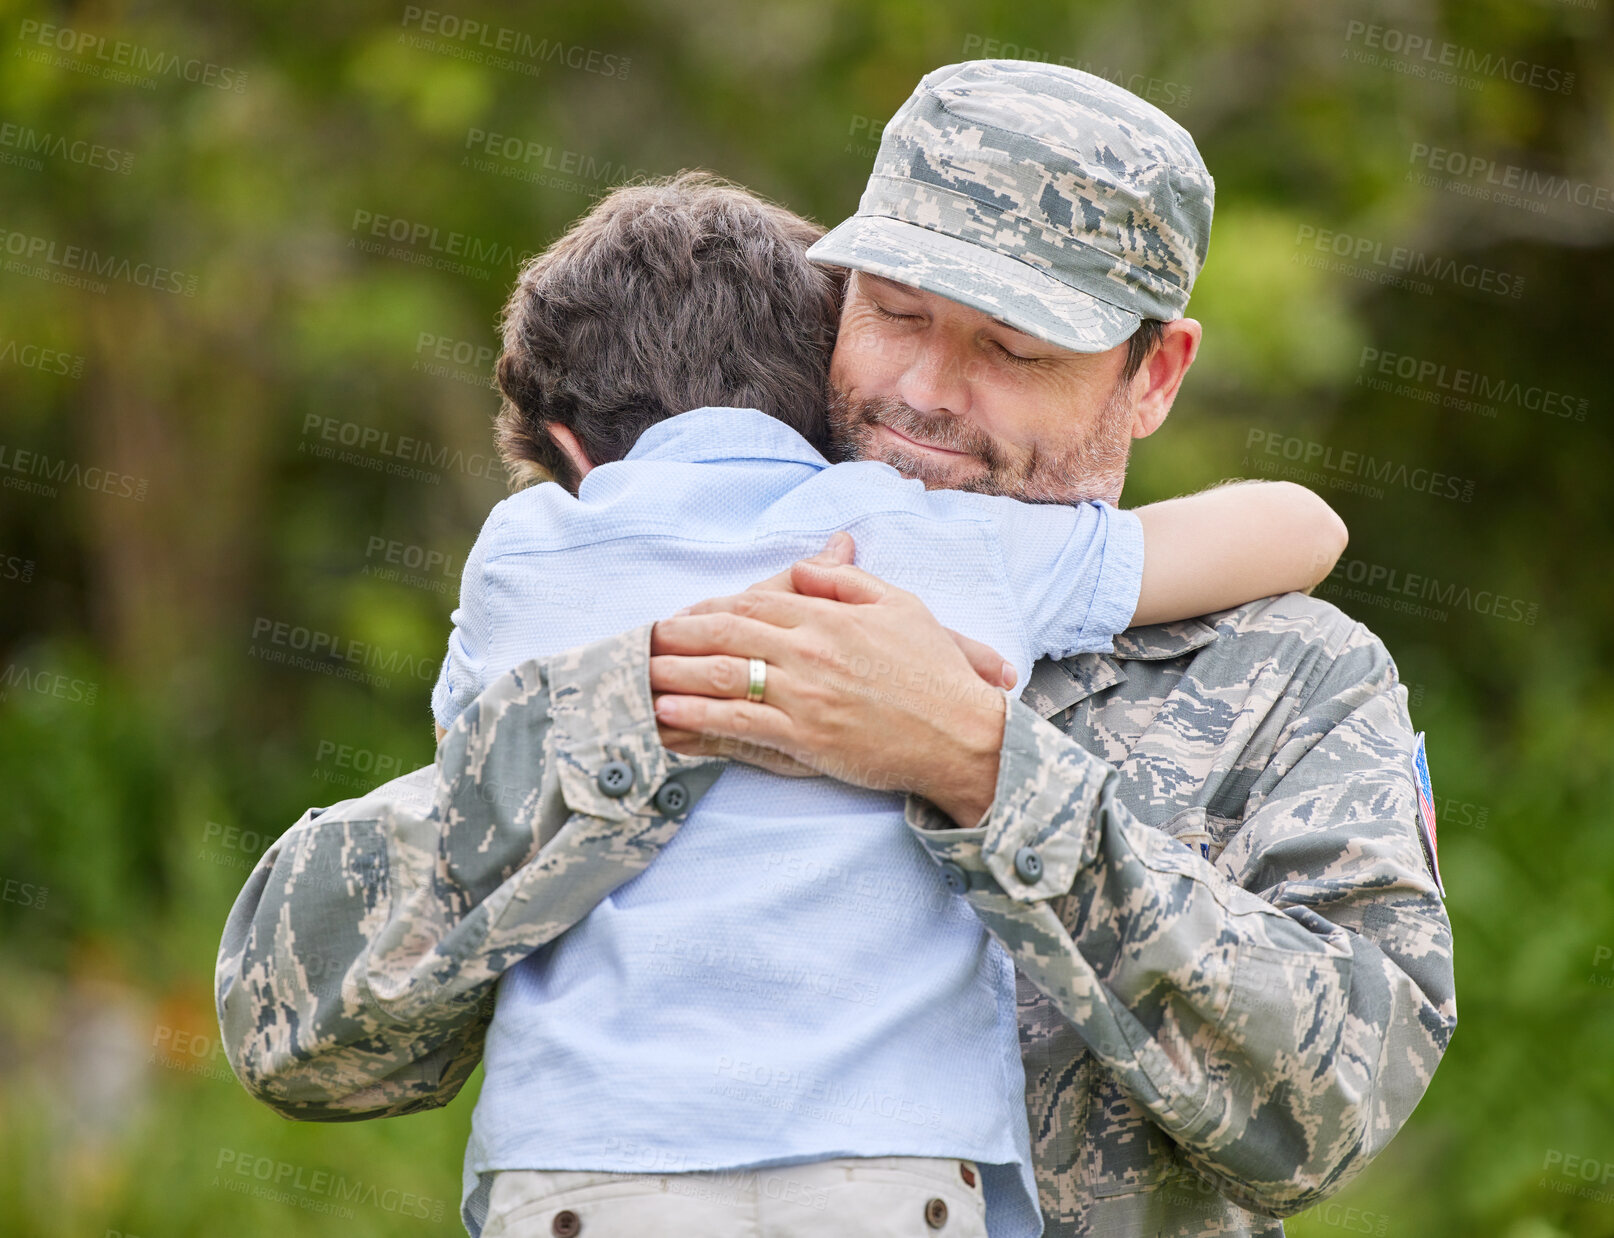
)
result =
(149, 751)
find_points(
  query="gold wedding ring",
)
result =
(759, 681)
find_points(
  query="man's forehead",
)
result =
(882, 283)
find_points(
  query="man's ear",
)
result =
(563, 438)
(1162, 374)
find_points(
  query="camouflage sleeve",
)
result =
(1278, 1014)
(357, 966)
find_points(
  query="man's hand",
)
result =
(863, 685)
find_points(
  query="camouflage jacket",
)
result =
(1235, 969)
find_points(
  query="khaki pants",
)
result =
(848, 1197)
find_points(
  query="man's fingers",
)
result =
(762, 725)
(779, 583)
(765, 758)
(838, 551)
(720, 675)
(842, 583)
(686, 742)
(775, 762)
(782, 610)
(721, 633)
(986, 661)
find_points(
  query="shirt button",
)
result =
(566, 1224)
(1027, 865)
(615, 779)
(936, 1213)
(672, 799)
(956, 878)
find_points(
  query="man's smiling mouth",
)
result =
(913, 442)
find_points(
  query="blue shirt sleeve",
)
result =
(464, 672)
(1075, 571)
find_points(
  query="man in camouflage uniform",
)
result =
(1200, 850)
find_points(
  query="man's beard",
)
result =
(1090, 466)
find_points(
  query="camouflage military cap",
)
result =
(1044, 196)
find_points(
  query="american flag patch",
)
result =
(1426, 811)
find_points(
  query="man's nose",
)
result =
(936, 379)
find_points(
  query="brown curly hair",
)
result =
(667, 296)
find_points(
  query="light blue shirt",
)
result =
(791, 979)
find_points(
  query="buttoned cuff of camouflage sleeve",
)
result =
(602, 716)
(1040, 829)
